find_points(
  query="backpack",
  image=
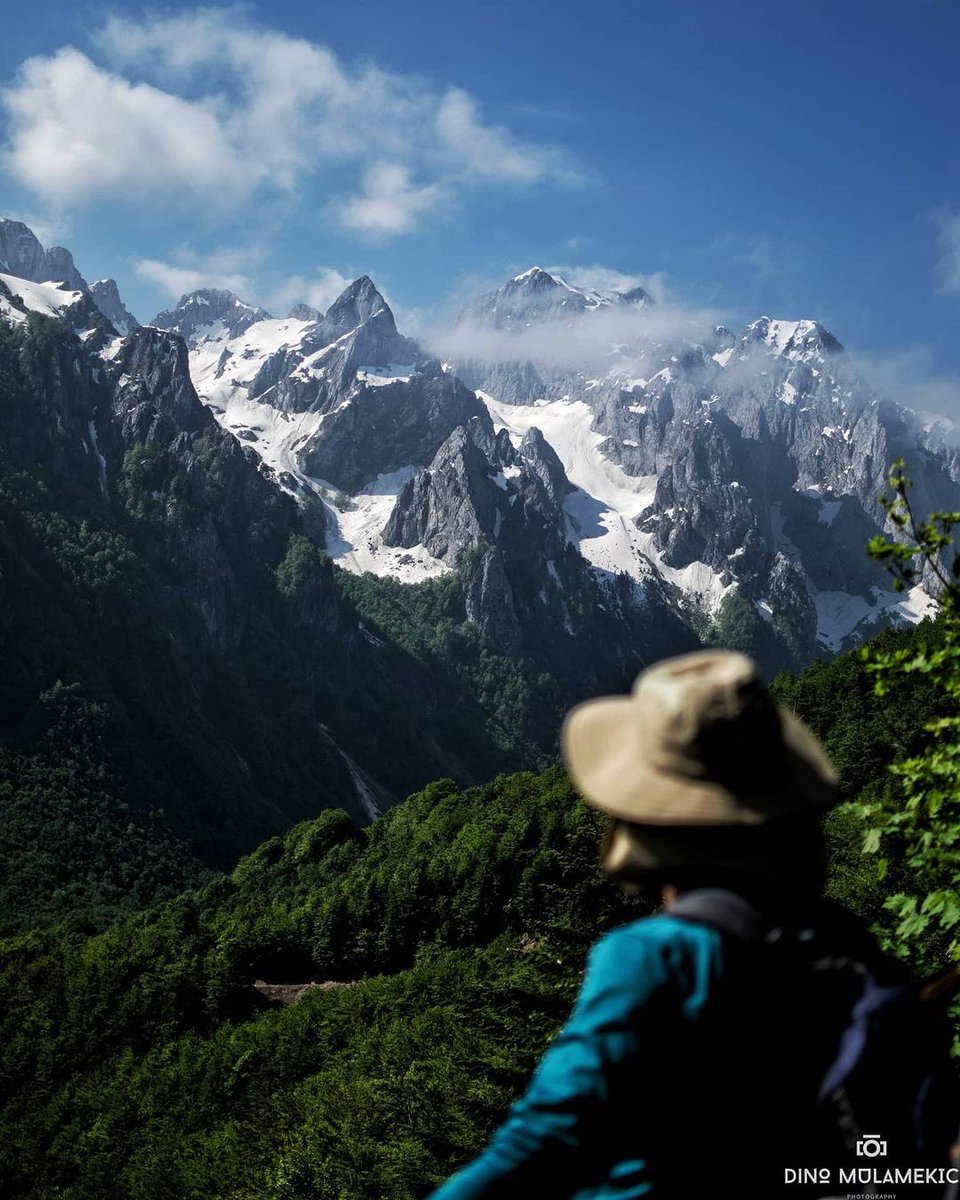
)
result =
(891, 1081)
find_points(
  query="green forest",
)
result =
(444, 943)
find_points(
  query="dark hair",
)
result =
(781, 858)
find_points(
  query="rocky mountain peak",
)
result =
(208, 314)
(106, 296)
(798, 340)
(638, 295)
(21, 254)
(536, 279)
(534, 295)
(152, 374)
(20, 251)
(537, 295)
(59, 266)
(305, 312)
(543, 462)
(359, 303)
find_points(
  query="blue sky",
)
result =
(752, 158)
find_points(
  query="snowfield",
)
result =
(47, 298)
(602, 512)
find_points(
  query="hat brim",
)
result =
(600, 748)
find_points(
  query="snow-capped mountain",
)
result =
(610, 488)
(731, 479)
(746, 468)
(536, 295)
(57, 288)
(209, 315)
(409, 473)
(581, 460)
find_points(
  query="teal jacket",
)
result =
(655, 1087)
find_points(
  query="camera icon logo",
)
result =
(871, 1145)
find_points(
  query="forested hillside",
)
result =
(447, 941)
(185, 672)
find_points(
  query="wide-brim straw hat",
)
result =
(698, 741)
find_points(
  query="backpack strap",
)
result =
(724, 910)
(875, 1000)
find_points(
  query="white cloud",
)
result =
(319, 291)
(238, 269)
(229, 268)
(594, 342)
(485, 151)
(910, 378)
(389, 204)
(78, 132)
(176, 281)
(207, 106)
(949, 242)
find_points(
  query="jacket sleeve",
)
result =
(545, 1137)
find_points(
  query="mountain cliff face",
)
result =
(185, 672)
(723, 484)
(755, 460)
(406, 472)
(106, 296)
(22, 255)
(297, 562)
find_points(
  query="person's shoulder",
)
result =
(656, 930)
(656, 942)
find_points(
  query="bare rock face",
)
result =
(59, 265)
(22, 255)
(20, 251)
(454, 504)
(106, 296)
(383, 427)
(152, 374)
(490, 602)
(305, 312)
(355, 306)
(513, 381)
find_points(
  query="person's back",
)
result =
(693, 1059)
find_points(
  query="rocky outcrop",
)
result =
(454, 504)
(208, 313)
(382, 427)
(489, 599)
(151, 375)
(106, 296)
(514, 381)
(21, 254)
(305, 312)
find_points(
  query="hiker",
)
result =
(702, 1036)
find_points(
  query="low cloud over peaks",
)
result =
(594, 340)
